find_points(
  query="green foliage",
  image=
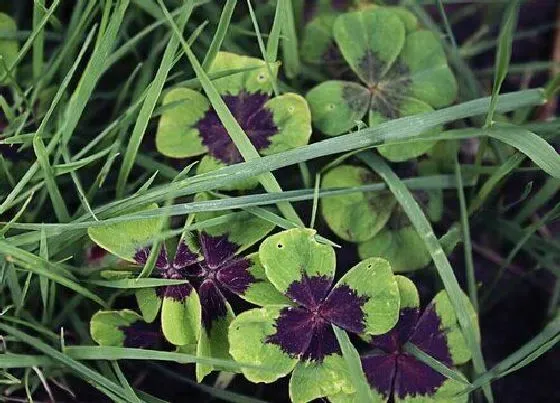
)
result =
(402, 74)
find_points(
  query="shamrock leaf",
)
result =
(196, 312)
(190, 127)
(375, 221)
(298, 337)
(397, 375)
(124, 328)
(355, 217)
(8, 47)
(402, 73)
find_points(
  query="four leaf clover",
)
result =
(394, 373)
(190, 127)
(297, 335)
(196, 311)
(401, 73)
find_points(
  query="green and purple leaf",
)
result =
(251, 283)
(365, 300)
(189, 125)
(124, 329)
(248, 336)
(180, 314)
(217, 315)
(317, 379)
(393, 372)
(298, 266)
(129, 240)
(355, 217)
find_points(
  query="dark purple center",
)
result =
(141, 335)
(392, 371)
(306, 331)
(250, 112)
(214, 273)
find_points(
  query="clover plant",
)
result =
(124, 328)
(297, 336)
(190, 127)
(394, 373)
(400, 72)
(196, 312)
(375, 221)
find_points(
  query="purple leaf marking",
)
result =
(306, 331)
(213, 303)
(251, 114)
(141, 335)
(392, 371)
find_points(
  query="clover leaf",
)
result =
(190, 127)
(375, 221)
(124, 329)
(402, 73)
(394, 373)
(8, 47)
(298, 336)
(196, 312)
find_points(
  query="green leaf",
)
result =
(400, 153)
(313, 380)
(317, 38)
(338, 106)
(292, 254)
(177, 135)
(181, 315)
(8, 47)
(214, 344)
(149, 303)
(261, 292)
(373, 280)
(431, 79)
(292, 117)
(402, 247)
(460, 352)
(370, 41)
(105, 326)
(124, 239)
(257, 80)
(248, 335)
(354, 365)
(355, 217)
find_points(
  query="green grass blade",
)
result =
(540, 344)
(543, 196)
(435, 364)
(96, 379)
(466, 229)
(352, 358)
(290, 47)
(122, 353)
(58, 204)
(503, 55)
(152, 96)
(137, 283)
(220, 34)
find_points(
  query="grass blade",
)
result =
(352, 358)
(152, 96)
